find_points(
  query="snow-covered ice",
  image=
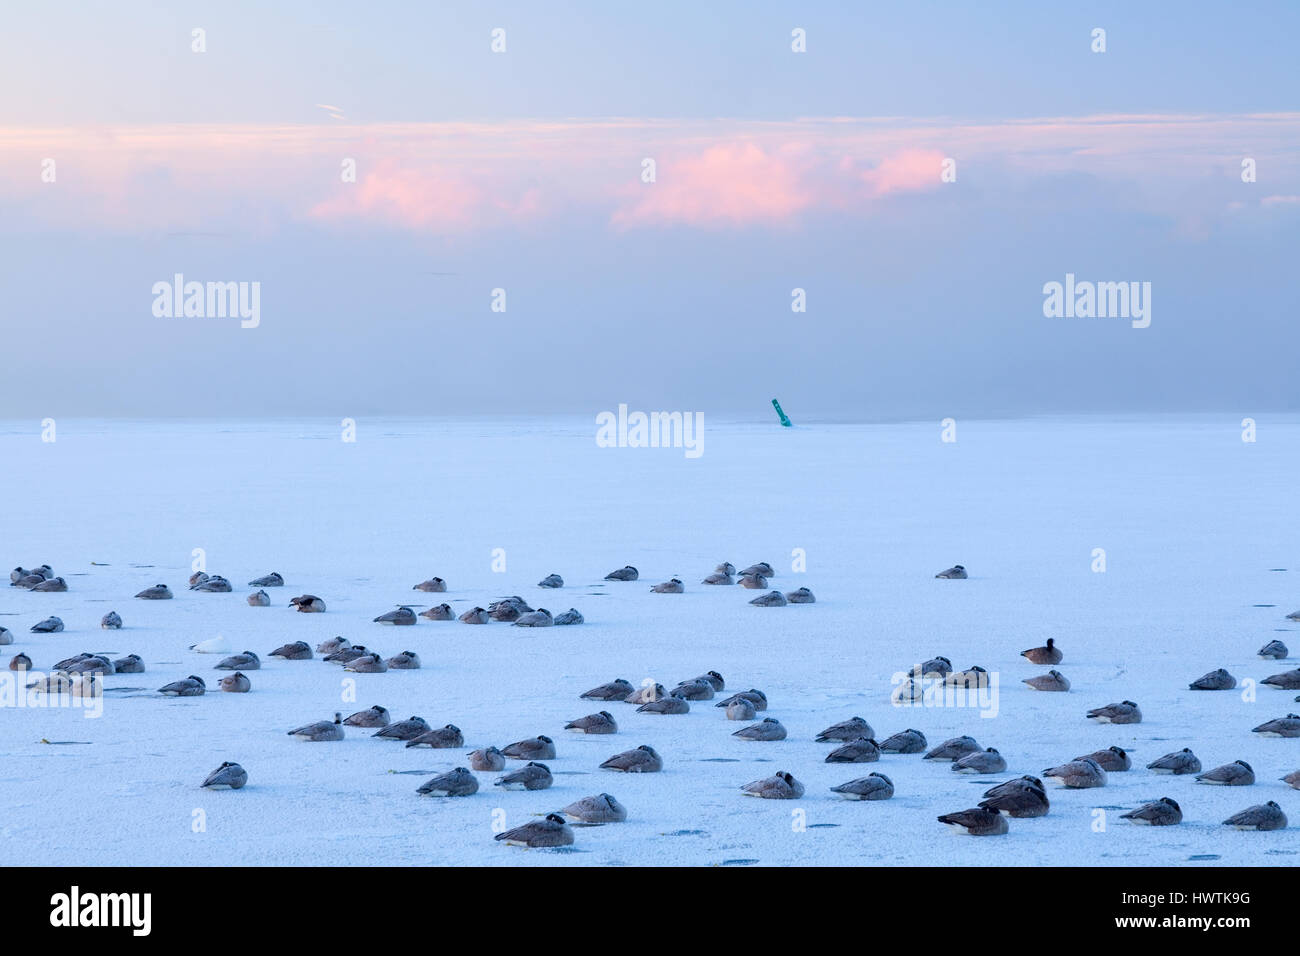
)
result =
(1199, 530)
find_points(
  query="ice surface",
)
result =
(1193, 521)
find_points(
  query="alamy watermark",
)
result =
(1101, 300)
(653, 430)
(208, 300)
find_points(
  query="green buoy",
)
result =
(784, 421)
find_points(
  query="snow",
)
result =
(1193, 522)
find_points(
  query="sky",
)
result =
(920, 171)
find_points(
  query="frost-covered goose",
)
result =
(402, 616)
(475, 615)
(272, 580)
(986, 761)
(375, 716)
(800, 596)
(726, 567)
(551, 830)
(874, 786)
(933, 668)
(767, 729)
(333, 645)
(197, 578)
(432, 586)
(487, 758)
(112, 621)
(1179, 763)
(571, 616)
(1125, 712)
(1164, 812)
(1112, 759)
(770, 599)
(159, 592)
(1053, 680)
(1047, 654)
(1288, 726)
(697, 688)
(236, 683)
(647, 694)
(247, 661)
(215, 584)
(627, 573)
(540, 747)
(755, 697)
(53, 584)
(321, 730)
(20, 662)
(1215, 680)
(601, 808)
(131, 664)
(308, 604)
(1017, 798)
(297, 651)
(407, 729)
(442, 738)
(713, 678)
(1262, 816)
(754, 582)
(405, 661)
(91, 664)
(51, 625)
(780, 786)
(1235, 774)
(862, 750)
(665, 706)
(974, 676)
(1287, 680)
(1273, 651)
(598, 723)
(191, 686)
(719, 578)
(740, 709)
(850, 729)
(954, 749)
(904, 742)
(439, 612)
(539, 618)
(259, 599)
(762, 570)
(531, 776)
(1077, 774)
(366, 664)
(671, 586)
(957, 572)
(643, 759)
(346, 655)
(977, 821)
(229, 776)
(551, 581)
(454, 783)
(617, 689)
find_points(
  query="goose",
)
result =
(719, 578)
(601, 808)
(215, 584)
(1048, 654)
(977, 821)
(235, 683)
(697, 688)
(571, 616)
(247, 661)
(539, 618)
(1125, 712)
(197, 578)
(53, 584)
(6, 636)
(272, 580)
(443, 738)
(780, 786)
(432, 586)
(91, 664)
(1235, 774)
(405, 661)
(131, 664)
(540, 747)
(954, 573)
(551, 830)
(904, 742)
(598, 723)
(1164, 812)
(671, 586)
(646, 695)
(159, 592)
(1112, 759)
(1262, 816)
(617, 689)
(51, 625)
(1179, 762)
(333, 645)
(862, 750)
(551, 581)
(954, 749)
(407, 729)
(308, 604)
(754, 582)
(1017, 799)
(800, 596)
(874, 786)
(665, 706)
(1292, 779)
(850, 729)
(454, 783)
(346, 655)
(973, 677)
(762, 570)
(726, 567)
(627, 573)
(366, 664)
(321, 730)
(755, 697)
(1214, 680)
(1288, 680)
(475, 615)
(1273, 651)
(488, 758)
(1077, 774)
(112, 621)
(986, 761)
(770, 599)
(297, 651)
(191, 686)
(229, 776)
(767, 729)
(402, 616)
(713, 678)
(439, 612)
(935, 667)
(375, 716)
(20, 662)
(1288, 726)
(741, 709)
(644, 759)
(531, 776)
(1053, 680)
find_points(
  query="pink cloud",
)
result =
(908, 171)
(727, 185)
(426, 199)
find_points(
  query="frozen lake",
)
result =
(1199, 530)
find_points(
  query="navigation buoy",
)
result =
(784, 421)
